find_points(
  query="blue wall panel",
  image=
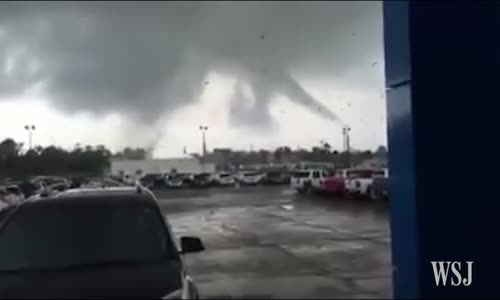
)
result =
(401, 156)
(443, 75)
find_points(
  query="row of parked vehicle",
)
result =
(202, 180)
(363, 183)
(16, 189)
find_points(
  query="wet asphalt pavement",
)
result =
(267, 242)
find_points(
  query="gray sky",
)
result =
(139, 73)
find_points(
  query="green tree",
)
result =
(9, 148)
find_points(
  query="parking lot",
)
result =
(267, 242)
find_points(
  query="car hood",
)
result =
(139, 282)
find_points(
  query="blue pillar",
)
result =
(443, 98)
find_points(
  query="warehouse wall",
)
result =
(182, 165)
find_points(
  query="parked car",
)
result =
(202, 180)
(76, 182)
(174, 180)
(224, 179)
(90, 182)
(129, 179)
(187, 179)
(48, 180)
(5, 197)
(12, 193)
(276, 177)
(110, 182)
(136, 258)
(27, 186)
(98, 182)
(379, 190)
(250, 178)
(152, 180)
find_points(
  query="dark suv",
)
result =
(92, 243)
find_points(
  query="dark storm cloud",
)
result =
(149, 58)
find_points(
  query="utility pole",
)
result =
(30, 128)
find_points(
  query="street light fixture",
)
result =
(30, 128)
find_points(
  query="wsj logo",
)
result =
(461, 276)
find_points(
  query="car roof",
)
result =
(111, 195)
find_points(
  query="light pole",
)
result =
(203, 129)
(345, 131)
(30, 128)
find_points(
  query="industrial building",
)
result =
(180, 165)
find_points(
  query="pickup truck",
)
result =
(301, 181)
(379, 189)
(310, 180)
(358, 182)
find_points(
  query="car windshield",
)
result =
(55, 236)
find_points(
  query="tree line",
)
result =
(53, 160)
(285, 154)
(94, 160)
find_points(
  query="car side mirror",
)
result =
(191, 244)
